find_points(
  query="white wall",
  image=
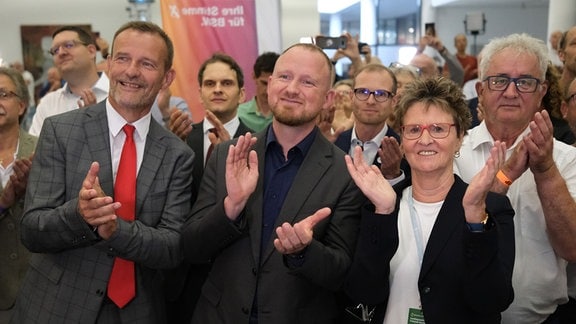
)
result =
(299, 18)
(105, 16)
(500, 21)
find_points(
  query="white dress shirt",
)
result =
(62, 100)
(369, 148)
(117, 136)
(231, 126)
(405, 265)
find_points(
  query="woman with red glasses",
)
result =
(432, 249)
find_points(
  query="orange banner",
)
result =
(200, 28)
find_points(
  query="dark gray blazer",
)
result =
(13, 255)
(183, 284)
(68, 276)
(196, 141)
(301, 295)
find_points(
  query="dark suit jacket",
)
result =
(13, 255)
(69, 273)
(196, 141)
(344, 140)
(183, 284)
(304, 294)
(465, 277)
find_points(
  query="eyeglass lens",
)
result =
(523, 84)
(439, 130)
(379, 95)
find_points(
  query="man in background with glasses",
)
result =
(373, 101)
(539, 175)
(74, 52)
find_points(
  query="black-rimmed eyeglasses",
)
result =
(67, 45)
(523, 84)
(437, 130)
(380, 95)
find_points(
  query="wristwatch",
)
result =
(478, 227)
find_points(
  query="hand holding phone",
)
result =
(430, 29)
(360, 48)
(326, 42)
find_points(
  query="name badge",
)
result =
(415, 316)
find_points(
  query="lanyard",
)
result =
(416, 227)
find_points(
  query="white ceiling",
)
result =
(392, 8)
(490, 2)
(398, 8)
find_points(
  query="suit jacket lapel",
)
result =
(344, 141)
(315, 164)
(242, 130)
(255, 203)
(447, 222)
(98, 140)
(154, 152)
(196, 143)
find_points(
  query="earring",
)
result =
(457, 154)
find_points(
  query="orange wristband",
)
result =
(503, 178)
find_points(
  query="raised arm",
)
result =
(474, 201)
(557, 203)
(372, 183)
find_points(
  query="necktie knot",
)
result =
(213, 130)
(129, 130)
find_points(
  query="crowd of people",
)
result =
(385, 195)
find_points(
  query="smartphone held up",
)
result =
(326, 42)
(430, 29)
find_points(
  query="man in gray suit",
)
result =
(293, 181)
(75, 227)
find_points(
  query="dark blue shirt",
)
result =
(279, 174)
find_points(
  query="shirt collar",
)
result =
(116, 122)
(231, 126)
(483, 136)
(102, 84)
(303, 146)
(377, 139)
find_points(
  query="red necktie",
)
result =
(122, 285)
